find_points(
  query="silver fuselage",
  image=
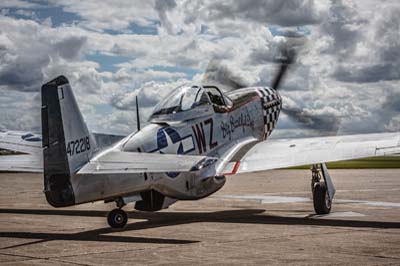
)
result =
(207, 132)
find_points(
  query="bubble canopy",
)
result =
(186, 102)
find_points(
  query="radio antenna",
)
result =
(137, 114)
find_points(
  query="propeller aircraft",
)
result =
(196, 138)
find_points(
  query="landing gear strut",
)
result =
(322, 189)
(117, 218)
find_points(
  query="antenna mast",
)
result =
(137, 114)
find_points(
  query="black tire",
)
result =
(117, 218)
(322, 204)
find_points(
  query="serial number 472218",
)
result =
(78, 146)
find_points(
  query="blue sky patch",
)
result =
(108, 62)
(278, 31)
(144, 30)
(57, 14)
(190, 72)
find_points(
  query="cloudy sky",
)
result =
(345, 80)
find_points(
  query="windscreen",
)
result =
(180, 100)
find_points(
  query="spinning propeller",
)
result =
(224, 77)
(216, 72)
(327, 124)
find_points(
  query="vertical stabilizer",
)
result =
(67, 142)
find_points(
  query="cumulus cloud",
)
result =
(284, 13)
(111, 15)
(70, 47)
(162, 6)
(394, 124)
(218, 73)
(347, 70)
(18, 4)
(344, 68)
(24, 57)
(148, 95)
(369, 73)
(323, 122)
(371, 47)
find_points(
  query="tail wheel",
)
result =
(322, 203)
(117, 218)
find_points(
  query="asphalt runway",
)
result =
(263, 218)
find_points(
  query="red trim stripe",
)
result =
(235, 168)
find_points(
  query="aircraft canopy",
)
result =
(185, 99)
(182, 99)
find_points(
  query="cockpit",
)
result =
(188, 102)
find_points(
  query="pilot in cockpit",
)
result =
(216, 99)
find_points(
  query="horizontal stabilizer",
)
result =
(31, 143)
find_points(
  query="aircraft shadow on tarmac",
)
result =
(161, 219)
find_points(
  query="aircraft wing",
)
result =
(21, 163)
(273, 154)
(19, 141)
(116, 162)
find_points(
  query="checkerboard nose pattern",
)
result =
(272, 104)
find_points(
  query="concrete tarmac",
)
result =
(263, 218)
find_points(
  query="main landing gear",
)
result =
(322, 188)
(118, 218)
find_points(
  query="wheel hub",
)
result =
(118, 218)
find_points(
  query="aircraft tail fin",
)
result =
(67, 142)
